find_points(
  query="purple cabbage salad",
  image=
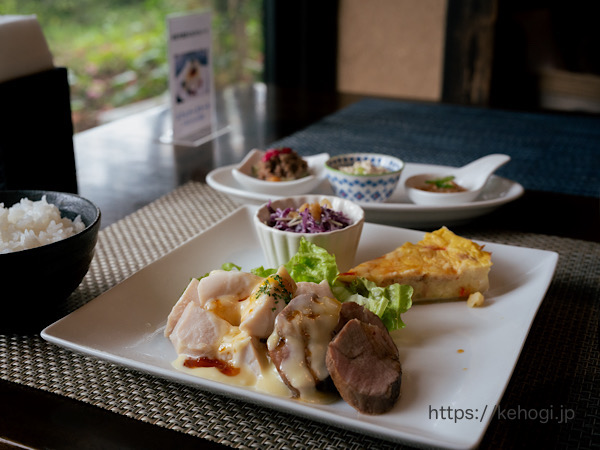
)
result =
(313, 218)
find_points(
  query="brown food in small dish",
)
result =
(280, 164)
(443, 185)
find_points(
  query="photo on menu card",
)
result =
(190, 73)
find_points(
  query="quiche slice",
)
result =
(441, 266)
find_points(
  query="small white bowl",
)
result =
(471, 177)
(368, 188)
(428, 198)
(243, 175)
(279, 246)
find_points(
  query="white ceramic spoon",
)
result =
(472, 177)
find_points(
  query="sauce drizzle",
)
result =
(224, 367)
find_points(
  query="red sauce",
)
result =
(224, 367)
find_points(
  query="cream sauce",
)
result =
(268, 381)
(307, 335)
(242, 358)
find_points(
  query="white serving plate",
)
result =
(452, 355)
(398, 210)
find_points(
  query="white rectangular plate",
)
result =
(456, 360)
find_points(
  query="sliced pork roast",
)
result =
(363, 361)
(298, 344)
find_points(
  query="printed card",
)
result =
(190, 77)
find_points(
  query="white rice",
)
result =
(30, 224)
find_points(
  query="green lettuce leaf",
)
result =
(389, 303)
(262, 272)
(315, 264)
(230, 266)
(312, 263)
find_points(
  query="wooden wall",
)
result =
(391, 47)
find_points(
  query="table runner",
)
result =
(561, 351)
(550, 152)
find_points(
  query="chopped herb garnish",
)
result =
(442, 183)
(278, 291)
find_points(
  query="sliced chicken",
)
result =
(202, 334)
(242, 350)
(198, 332)
(226, 316)
(222, 291)
(266, 301)
(189, 295)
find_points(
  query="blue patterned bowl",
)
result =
(364, 188)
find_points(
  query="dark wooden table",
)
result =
(122, 166)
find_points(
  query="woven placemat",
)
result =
(564, 336)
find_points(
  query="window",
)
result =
(116, 50)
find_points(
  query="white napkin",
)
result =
(23, 47)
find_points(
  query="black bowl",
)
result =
(35, 283)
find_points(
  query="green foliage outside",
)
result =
(116, 50)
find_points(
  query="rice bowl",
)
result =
(37, 282)
(29, 224)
